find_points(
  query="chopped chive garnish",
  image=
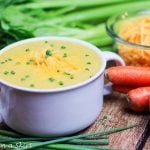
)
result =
(27, 76)
(51, 79)
(58, 70)
(18, 63)
(65, 55)
(90, 76)
(2, 62)
(27, 49)
(66, 73)
(28, 62)
(6, 72)
(60, 83)
(9, 59)
(52, 143)
(63, 47)
(88, 63)
(45, 41)
(51, 45)
(12, 72)
(86, 55)
(48, 53)
(87, 69)
(6, 60)
(71, 77)
(22, 79)
(31, 85)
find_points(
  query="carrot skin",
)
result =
(139, 99)
(129, 75)
(123, 88)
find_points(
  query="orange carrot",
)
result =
(129, 75)
(139, 99)
(123, 88)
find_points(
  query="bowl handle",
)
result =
(110, 56)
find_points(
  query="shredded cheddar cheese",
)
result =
(135, 30)
(55, 62)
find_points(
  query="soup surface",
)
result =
(48, 64)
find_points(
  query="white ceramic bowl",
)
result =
(54, 112)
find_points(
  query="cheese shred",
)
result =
(136, 30)
(53, 63)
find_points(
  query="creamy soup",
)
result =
(48, 64)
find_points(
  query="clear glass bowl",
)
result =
(132, 53)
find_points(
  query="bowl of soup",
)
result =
(52, 86)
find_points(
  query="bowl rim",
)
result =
(62, 89)
(114, 35)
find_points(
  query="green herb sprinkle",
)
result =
(12, 72)
(48, 53)
(28, 62)
(63, 47)
(51, 79)
(32, 85)
(9, 59)
(88, 63)
(87, 69)
(65, 55)
(27, 50)
(22, 79)
(6, 72)
(51, 45)
(71, 77)
(27, 76)
(60, 83)
(66, 73)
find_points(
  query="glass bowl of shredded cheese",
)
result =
(131, 33)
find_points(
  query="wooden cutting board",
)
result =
(147, 144)
(114, 114)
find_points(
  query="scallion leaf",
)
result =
(63, 139)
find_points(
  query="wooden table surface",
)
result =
(147, 144)
(114, 114)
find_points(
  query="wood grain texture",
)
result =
(115, 114)
(147, 144)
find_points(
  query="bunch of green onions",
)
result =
(82, 19)
(88, 141)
